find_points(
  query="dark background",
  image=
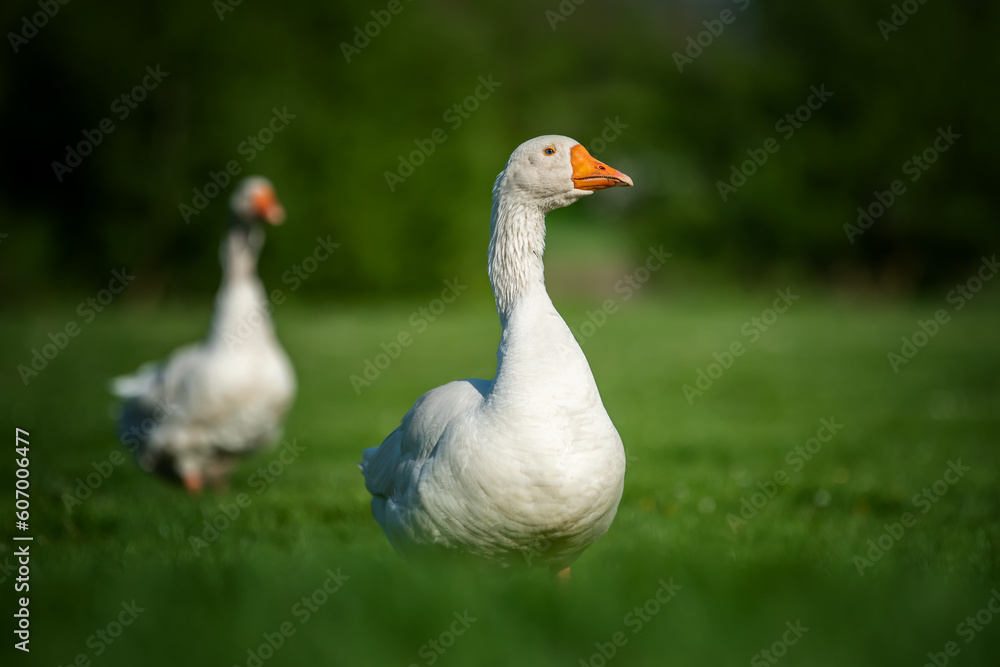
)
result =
(606, 60)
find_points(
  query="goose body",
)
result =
(527, 468)
(210, 403)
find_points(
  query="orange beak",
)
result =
(590, 173)
(268, 207)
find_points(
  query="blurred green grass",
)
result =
(689, 466)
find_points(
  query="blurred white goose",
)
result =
(212, 402)
(527, 468)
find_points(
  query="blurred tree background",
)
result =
(565, 67)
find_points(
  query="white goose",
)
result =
(526, 468)
(195, 414)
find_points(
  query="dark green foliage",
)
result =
(604, 61)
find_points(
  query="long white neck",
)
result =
(240, 249)
(517, 243)
(241, 314)
(538, 358)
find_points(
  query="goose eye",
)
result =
(549, 151)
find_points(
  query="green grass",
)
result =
(689, 467)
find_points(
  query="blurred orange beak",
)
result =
(590, 173)
(268, 207)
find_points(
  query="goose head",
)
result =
(254, 200)
(553, 171)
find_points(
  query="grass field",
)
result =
(737, 586)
